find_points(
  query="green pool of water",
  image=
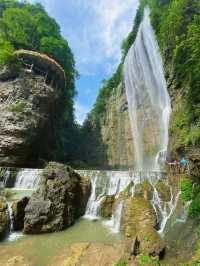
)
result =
(41, 250)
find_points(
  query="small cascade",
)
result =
(104, 183)
(27, 179)
(112, 183)
(115, 222)
(12, 236)
(10, 213)
(184, 214)
(6, 177)
(164, 210)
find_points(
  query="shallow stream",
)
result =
(41, 250)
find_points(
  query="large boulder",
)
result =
(139, 221)
(59, 201)
(138, 213)
(4, 217)
(18, 208)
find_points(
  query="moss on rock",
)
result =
(144, 190)
(4, 218)
(163, 190)
(138, 213)
(107, 206)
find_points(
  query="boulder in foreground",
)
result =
(59, 201)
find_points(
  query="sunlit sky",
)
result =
(95, 30)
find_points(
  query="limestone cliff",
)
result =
(116, 131)
(31, 103)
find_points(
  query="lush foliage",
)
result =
(186, 189)
(194, 209)
(6, 52)
(28, 26)
(177, 24)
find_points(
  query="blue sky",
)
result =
(95, 30)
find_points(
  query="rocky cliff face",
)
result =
(29, 110)
(116, 131)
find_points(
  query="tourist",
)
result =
(183, 164)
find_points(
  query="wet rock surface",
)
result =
(90, 254)
(139, 221)
(60, 200)
(18, 208)
(107, 206)
(4, 217)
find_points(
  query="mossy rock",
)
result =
(163, 190)
(144, 190)
(138, 214)
(107, 206)
(150, 242)
(126, 193)
(4, 217)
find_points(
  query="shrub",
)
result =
(6, 53)
(121, 263)
(186, 189)
(147, 260)
(194, 209)
(17, 107)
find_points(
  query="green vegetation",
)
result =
(17, 107)
(121, 263)
(28, 26)
(147, 260)
(9, 194)
(186, 189)
(177, 24)
(194, 209)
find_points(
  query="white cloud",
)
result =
(81, 112)
(104, 25)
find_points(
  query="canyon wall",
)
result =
(31, 104)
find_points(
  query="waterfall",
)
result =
(104, 183)
(148, 99)
(27, 179)
(112, 183)
(12, 236)
(164, 209)
(115, 222)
